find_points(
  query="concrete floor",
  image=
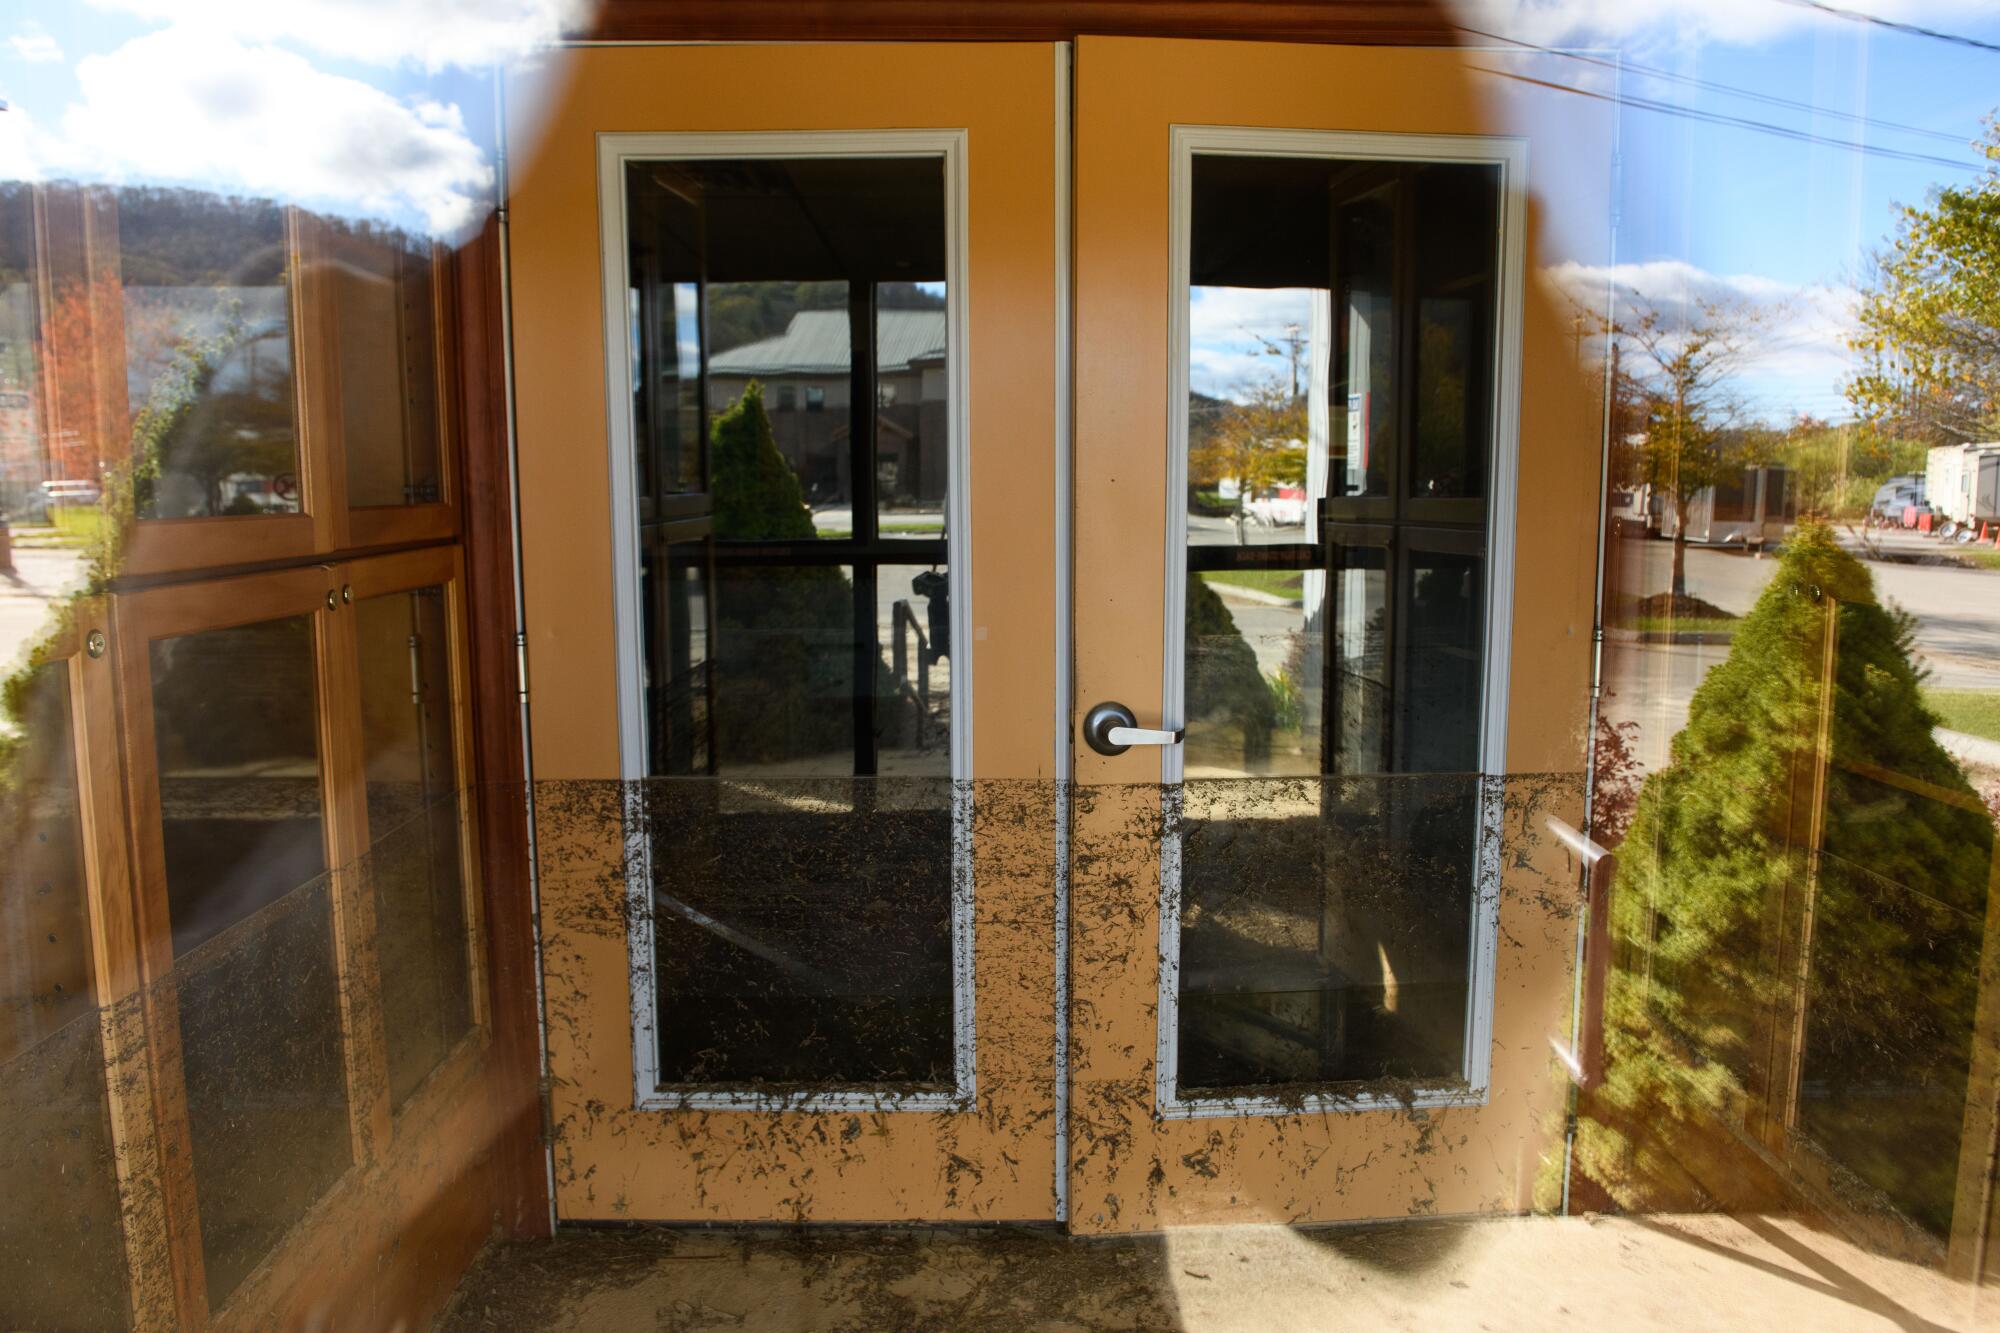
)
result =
(1682, 1272)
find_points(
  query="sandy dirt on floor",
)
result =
(1677, 1272)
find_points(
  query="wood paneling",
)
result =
(496, 737)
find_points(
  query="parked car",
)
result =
(1894, 496)
(1279, 507)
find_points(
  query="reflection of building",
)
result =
(806, 374)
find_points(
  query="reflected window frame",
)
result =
(1508, 155)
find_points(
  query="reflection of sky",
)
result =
(383, 108)
(1231, 333)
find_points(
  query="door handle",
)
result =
(1111, 729)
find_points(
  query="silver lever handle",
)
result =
(1110, 728)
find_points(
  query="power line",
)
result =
(1737, 122)
(1876, 20)
(1727, 89)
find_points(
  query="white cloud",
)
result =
(1683, 23)
(34, 45)
(1799, 347)
(1224, 325)
(190, 105)
(430, 33)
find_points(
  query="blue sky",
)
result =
(384, 107)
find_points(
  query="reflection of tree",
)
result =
(784, 646)
(1717, 870)
(1224, 684)
(244, 429)
(1676, 388)
(1837, 468)
(1930, 319)
(1255, 442)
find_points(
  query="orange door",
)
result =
(1336, 478)
(786, 324)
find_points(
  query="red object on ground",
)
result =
(1923, 522)
(1909, 516)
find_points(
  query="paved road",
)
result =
(1957, 612)
(1957, 632)
(39, 576)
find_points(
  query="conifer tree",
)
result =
(1718, 879)
(784, 652)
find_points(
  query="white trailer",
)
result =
(1962, 483)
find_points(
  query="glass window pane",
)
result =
(803, 932)
(678, 671)
(1341, 323)
(208, 353)
(913, 693)
(384, 287)
(1325, 927)
(62, 1263)
(1254, 672)
(802, 908)
(912, 414)
(414, 863)
(1361, 663)
(234, 721)
(784, 663)
(1365, 384)
(1455, 230)
(1443, 632)
(791, 337)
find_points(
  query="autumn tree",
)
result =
(1676, 380)
(1257, 442)
(1929, 335)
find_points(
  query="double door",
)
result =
(885, 409)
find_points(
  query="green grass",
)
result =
(1975, 712)
(1286, 583)
(1985, 557)
(75, 526)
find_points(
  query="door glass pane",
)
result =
(802, 692)
(1455, 227)
(1340, 336)
(208, 353)
(384, 288)
(664, 311)
(1365, 403)
(790, 338)
(414, 862)
(798, 926)
(912, 430)
(1437, 715)
(913, 695)
(1361, 665)
(678, 671)
(235, 716)
(1325, 927)
(61, 1259)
